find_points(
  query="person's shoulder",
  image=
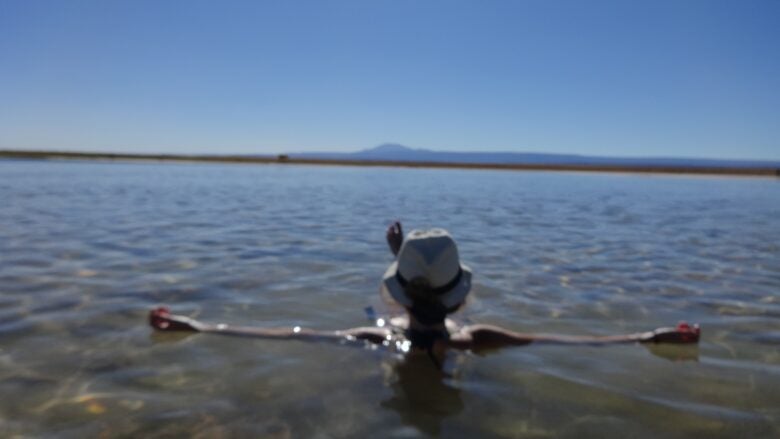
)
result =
(401, 321)
(484, 336)
(453, 326)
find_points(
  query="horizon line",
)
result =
(283, 159)
(66, 150)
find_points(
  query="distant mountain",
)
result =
(400, 153)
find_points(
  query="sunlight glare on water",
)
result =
(86, 249)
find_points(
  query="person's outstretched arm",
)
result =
(489, 336)
(162, 320)
(471, 337)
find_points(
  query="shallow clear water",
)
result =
(86, 249)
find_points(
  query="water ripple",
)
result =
(86, 249)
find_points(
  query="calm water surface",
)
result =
(86, 249)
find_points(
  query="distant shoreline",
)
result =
(285, 160)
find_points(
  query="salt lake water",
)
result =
(86, 249)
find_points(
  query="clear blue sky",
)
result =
(627, 78)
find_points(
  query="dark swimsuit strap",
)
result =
(425, 339)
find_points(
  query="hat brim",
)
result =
(451, 298)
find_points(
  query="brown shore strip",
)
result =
(283, 159)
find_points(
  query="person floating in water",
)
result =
(428, 280)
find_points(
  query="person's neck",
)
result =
(415, 325)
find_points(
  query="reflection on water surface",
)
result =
(87, 248)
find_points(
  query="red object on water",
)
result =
(159, 318)
(688, 333)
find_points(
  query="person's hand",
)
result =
(395, 237)
(161, 319)
(683, 333)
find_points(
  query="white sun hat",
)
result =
(433, 256)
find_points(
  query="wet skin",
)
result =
(471, 337)
(450, 335)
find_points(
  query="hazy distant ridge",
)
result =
(395, 152)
